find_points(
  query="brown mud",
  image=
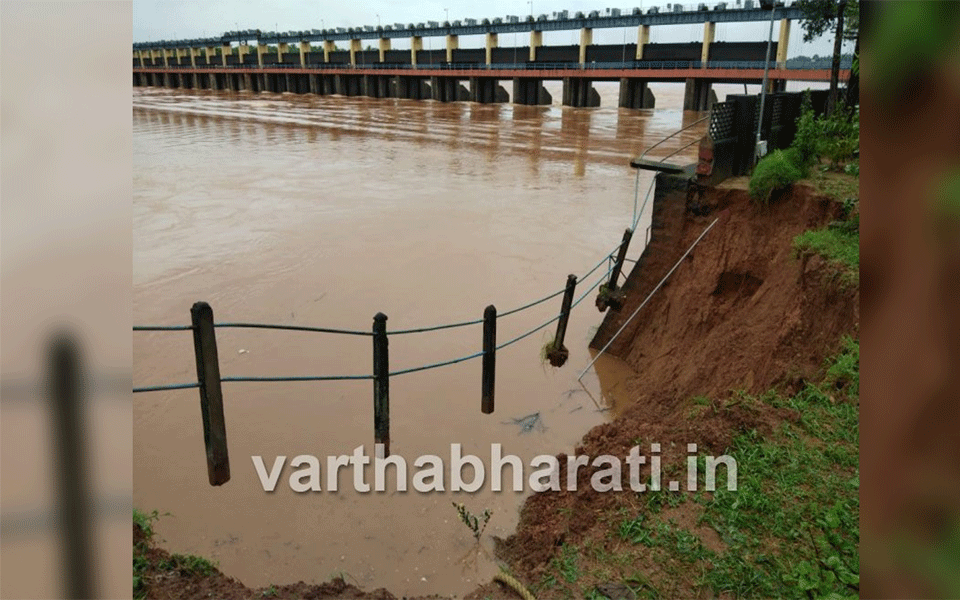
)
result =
(742, 314)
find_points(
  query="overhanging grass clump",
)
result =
(774, 172)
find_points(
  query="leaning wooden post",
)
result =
(381, 384)
(609, 292)
(67, 395)
(211, 396)
(489, 359)
(558, 353)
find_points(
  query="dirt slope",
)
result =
(741, 313)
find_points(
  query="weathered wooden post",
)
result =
(489, 359)
(67, 395)
(381, 384)
(558, 353)
(211, 395)
(609, 295)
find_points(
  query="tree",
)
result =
(843, 17)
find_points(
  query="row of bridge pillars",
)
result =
(577, 91)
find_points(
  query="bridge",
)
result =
(229, 63)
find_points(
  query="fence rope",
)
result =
(291, 328)
(437, 365)
(179, 386)
(163, 388)
(299, 378)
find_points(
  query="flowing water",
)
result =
(324, 211)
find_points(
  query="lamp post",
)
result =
(766, 73)
(446, 12)
(378, 21)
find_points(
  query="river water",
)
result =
(324, 211)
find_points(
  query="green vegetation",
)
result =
(474, 523)
(143, 564)
(835, 138)
(839, 243)
(140, 562)
(791, 529)
(776, 171)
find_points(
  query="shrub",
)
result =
(774, 172)
(807, 139)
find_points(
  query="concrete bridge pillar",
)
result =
(709, 32)
(384, 46)
(242, 50)
(416, 45)
(586, 38)
(328, 47)
(453, 42)
(634, 93)
(193, 57)
(536, 40)
(643, 38)
(355, 47)
(281, 50)
(304, 49)
(698, 95)
(328, 84)
(224, 53)
(782, 44)
(314, 82)
(579, 93)
(487, 90)
(210, 53)
(491, 44)
(263, 77)
(530, 92)
(289, 84)
(398, 86)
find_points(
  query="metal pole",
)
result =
(763, 89)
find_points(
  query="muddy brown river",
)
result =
(324, 211)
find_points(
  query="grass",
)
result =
(838, 245)
(791, 529)
(774, 172)
(184, 564)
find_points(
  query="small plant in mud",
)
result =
(475, 523)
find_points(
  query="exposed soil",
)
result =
(741, 314)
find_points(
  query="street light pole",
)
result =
(763, 89)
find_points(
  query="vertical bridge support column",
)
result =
(355, 46)
(487, 90)
(453, 42)
(698, 94)
(634, 93)
(491, 44)
(384, 46)
(586, 39)
(709, 32)
(578, 92)
(416, 45)
(536, 40)
(264, 78)
(530, 91)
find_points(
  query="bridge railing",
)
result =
(526, 66)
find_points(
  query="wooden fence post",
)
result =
(381, 384)
(489, 359)
(558, 353)
(609, 292)
(67, 398)
(211, 395)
